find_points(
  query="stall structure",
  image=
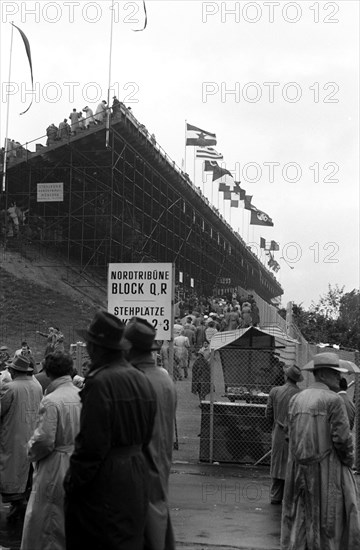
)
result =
(251, 360)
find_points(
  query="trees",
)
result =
(334, 319)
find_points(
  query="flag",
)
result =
(145, 23)
(218, 172)
(207, 153)
(227, 196)
(198, 137)
(234, 204)
(28, 53)
(274, 246)
(259, 218)
(262, 242)
(210, 165)
(237, 189)
(224, 187)
(248, 199)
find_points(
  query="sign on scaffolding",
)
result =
(143, 290)
(50, 192)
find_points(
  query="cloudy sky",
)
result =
(276, 81)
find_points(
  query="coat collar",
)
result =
(319, 386)
(54, 384)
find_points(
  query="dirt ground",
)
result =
(36, 293)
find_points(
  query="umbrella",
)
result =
(348, 365)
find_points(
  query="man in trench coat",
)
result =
(20, 401)
(320, 497)
(158, 531)
(276, 413)
(107, 484)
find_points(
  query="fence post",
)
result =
(211, 419)
(357, 415)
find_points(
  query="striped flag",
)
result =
(207, 153)
(198, 137)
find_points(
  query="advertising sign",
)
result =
(143, 290)
(50, 192)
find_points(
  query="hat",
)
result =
(325, 360)
(294, 373)
(21, 364)
(105, 330)
(141, 334)
(3, 348)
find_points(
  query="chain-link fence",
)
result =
(221, 405)
(234, 428)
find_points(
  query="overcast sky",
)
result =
(277, 82)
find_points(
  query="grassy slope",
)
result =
(33, 298)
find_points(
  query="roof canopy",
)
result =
(251, 338)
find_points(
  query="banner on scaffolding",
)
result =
(50, 192)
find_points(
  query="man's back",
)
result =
(107, 485)
(278, 402)
(318, 423)
(161, 444)
(118, 410)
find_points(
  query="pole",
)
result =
(185, 146)
(109, 81)
(211, 426)
(7, 116)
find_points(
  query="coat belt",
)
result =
(126, 451)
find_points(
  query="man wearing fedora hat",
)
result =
(276, 413)
(20, 399)
(107, 484)
(320, 496)
(158, 531)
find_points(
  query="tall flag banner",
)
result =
(258, 217)
(274, 246)
(145, 23)
(262, 243)
(207, 153)
(28, 53)
(234, 204)
(227, 196)
(241, 192)
(198, 137)
(248, 199)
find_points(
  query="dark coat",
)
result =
(200, 384)
(107, 483)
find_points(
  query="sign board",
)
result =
(50, 192)
(143, 290)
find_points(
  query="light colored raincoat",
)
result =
(50, 448)
(20, 400)
(319, 506)
(158, 530)
(276, 413)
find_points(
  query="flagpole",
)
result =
(185, 146)
(7, 115)
(109, 82)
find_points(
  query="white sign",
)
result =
(50, 192)
(143, 290)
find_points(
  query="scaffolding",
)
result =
(128, 202)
